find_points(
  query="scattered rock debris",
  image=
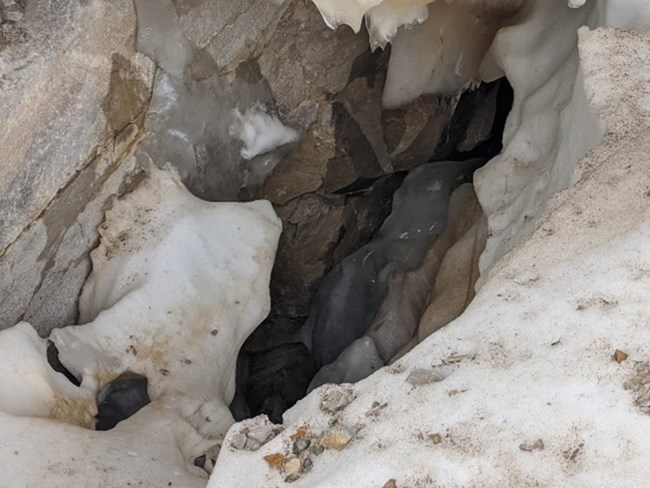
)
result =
(304, 447)
(335, 398)
(375, 409)
(251, 438)
(572, 454)
(640, 384)
(619, 356)
(538, 445)
(421, 376)
(292, 469)
(435, 438)
(336, 438)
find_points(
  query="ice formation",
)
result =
(350, 295)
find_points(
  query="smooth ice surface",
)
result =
(350, 295)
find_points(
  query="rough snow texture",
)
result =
(531, 358)
(177, 285)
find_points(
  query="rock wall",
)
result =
(73, 93)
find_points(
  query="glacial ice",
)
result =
(350, 295)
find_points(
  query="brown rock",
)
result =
(390, 484)
(275, 460)
(619, 356)
(337, 438)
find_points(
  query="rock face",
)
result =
(71, 106)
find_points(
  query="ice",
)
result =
(350, 295)
(260, 132)
(358, 361)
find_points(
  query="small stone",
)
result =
(307, 463)
(336, 438)
(252, 444)
(214, 332)
(390, 484)
(238, 441)
(317, 449)
(435, 438)
(292, 469)
(420, 377)
(200, 461)
(538, 445)
(275, 460)
(301, 445)
(263, 433)
(619, 356)
(335, 398)
(164, 372)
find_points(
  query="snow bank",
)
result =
(177, 285)
(532, 357)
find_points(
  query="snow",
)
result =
(531, 358)
(177, 285)
(260, 132)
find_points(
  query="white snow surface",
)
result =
(532, 357)
(177, 285)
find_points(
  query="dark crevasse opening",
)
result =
(368, 269)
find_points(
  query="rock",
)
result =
(120, 399)
(263, 433)
(538, 445)
(337, 438)
(49, 213)
(419, 377)
(619, 356)
(307, 464)
(390, 484)
(435, 438)
(458, 272)
(292, 469)
(238, 441)
(409, 292)
(275, 460)
(335, 398)
(300, 445)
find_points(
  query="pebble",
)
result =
(238, 441)
(435, 438)
(420, 377)
(307, 463)
(301, 445)
(292, 469)
(538, 445)
(336, 438)
(390, 484)
(263, 433)
(619, 356)
(317, 449)
(335, 398)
